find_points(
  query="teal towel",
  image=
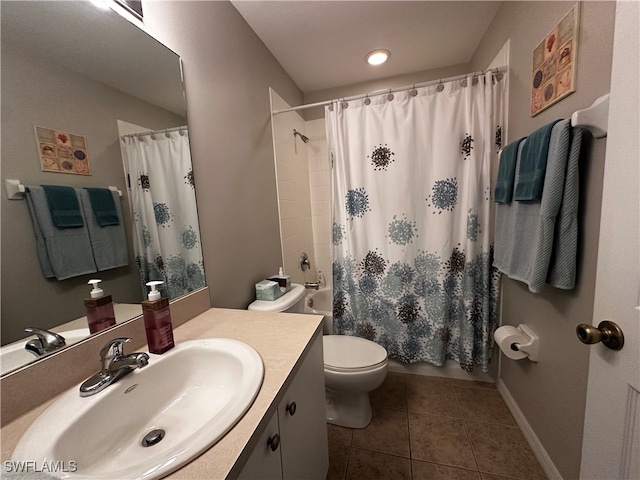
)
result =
(63, 252)
(103, 206)
(507, 172)
(109, 243)
(533, 165)
(63, 205)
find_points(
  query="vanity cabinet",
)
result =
(294, 444)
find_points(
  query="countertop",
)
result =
(280, 339)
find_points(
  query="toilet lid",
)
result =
(343, 351)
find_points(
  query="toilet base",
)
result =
(352, 410)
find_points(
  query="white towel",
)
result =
(535, 242)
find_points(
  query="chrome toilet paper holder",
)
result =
(532, 347)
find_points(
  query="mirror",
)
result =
(71, 67)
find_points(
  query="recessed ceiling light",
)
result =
(377, 57)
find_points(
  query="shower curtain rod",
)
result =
(155, 132)
(390, 90)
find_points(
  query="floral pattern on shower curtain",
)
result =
(412, 238)
(163, 201)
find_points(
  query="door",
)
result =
(611, 445)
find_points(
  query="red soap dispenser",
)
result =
(99, 309)
(157, 321)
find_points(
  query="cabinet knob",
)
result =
(291, 408)
(607, 332)
(274, 442)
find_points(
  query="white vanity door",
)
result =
(264, 462)
(303, 428)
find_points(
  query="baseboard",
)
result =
(538, 450)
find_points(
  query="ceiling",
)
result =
(98, 44)
(322, 44)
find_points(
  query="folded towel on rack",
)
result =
(535, 242)
(507, 172)
(63, 252)
(64, 206)
(109, 243)
(104, 206)
(533, 164)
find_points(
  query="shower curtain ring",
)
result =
(413, 91)
(367, 100)
(440, 86)
(390, 95)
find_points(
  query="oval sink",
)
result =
(154, 420)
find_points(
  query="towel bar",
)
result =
(595, 118)
(15, 189)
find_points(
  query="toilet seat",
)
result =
(343, 353)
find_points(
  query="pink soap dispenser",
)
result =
(99, 309)
(157, 321)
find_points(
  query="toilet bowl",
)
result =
(353, 366)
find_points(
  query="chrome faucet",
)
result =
(46, 341)
(313, 285)
(119, 365)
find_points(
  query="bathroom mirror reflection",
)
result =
(71, 67)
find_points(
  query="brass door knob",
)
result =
(607, 332)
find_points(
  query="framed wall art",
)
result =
(62, 152)
(553, 75)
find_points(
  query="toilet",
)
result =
(353, 366)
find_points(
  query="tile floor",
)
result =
(426, 428)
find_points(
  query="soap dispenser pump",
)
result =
(157, 320)
(99, 308)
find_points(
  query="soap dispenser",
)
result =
(99, 308)
(157, 320)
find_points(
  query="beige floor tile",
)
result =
(503, 450)
(440, 440)
(391, 394)
(388, 432)
(431, 396)
(365, 465)
(483, 405)
(338, 458)
(339, 435)
(431, 471)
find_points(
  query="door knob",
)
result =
(607, 332)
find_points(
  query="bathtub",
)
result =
(320, 302)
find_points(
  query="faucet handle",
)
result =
(49, 341)
(116, 345)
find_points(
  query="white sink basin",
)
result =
(15, 355)
(195, 392)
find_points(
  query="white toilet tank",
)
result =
(290, 302)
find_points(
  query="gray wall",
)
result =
(227, 73)
(373, 85)
(552, 393)
(38, 92)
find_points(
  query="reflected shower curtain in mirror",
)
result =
(411, 198)
(165, 222)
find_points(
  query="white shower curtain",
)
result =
(167, 237)
(411, 224)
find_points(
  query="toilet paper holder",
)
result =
(532, 347)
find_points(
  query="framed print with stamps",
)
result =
(62, 152)
(553, 74)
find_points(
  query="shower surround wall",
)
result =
(294, 204)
